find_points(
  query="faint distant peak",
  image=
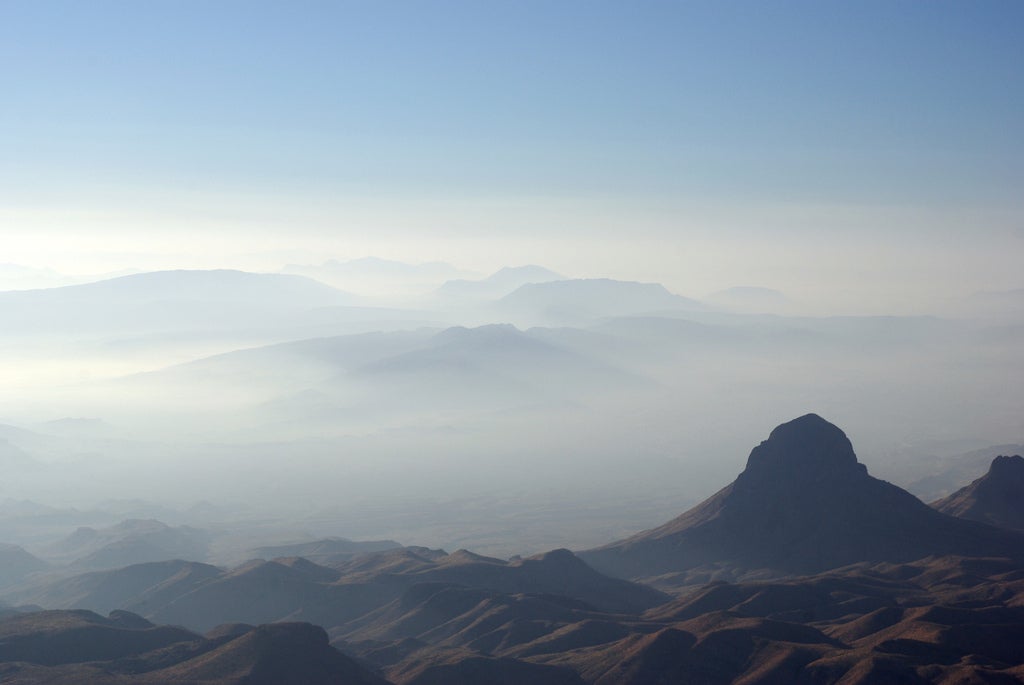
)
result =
(604, 296)
(528, 273)
(499, 283)
(487, 334)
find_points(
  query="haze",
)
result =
(452, 272)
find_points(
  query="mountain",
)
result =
(802, 504)
(325, 551)
(84, 648)
(950, 473)
(997, 498)
(142, 586)
(498, 284)
(16, 564)
(494, 365)
(192, 312)
(582, 300)
(216, 285)
(132, 541)
(289, 364)
(202, 596)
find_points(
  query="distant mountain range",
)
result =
(164, 306)
(132, 541)
(201, 596)
(326, 551)
(498, 284)
(87, 649)
(578, 301)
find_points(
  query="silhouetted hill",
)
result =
(83, 648)
(951, 473)
(140, 587)
(804, 503)
(16, 564)
(581, 300)
(60, 637)
(997, 498)
(201, 596)
(499, 283)
(493, 365)
(325, 551)
(177, 302)
(271, 655)
(132, 541)
(217, 285)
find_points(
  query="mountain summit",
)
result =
(996, 498)
(805, 448)
(802, 504)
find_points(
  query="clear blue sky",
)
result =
(435, 128)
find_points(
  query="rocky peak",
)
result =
(1003, 467)
(806, 448)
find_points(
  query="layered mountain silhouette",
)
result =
(803, 504)
(200, 596)
(84, 648)
(997, 498)
(132, 541)
(584, 299)
(499, 283)
(326, 550)
(16, 564)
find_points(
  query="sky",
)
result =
(870, 153)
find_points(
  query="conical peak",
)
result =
(809, 444)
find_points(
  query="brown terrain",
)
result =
(804, 570)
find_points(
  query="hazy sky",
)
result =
(860, 150)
